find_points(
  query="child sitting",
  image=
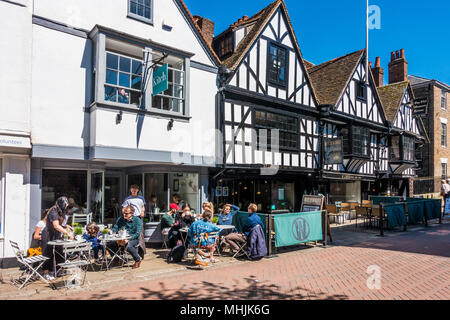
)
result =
(93, 231)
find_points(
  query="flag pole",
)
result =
(367, 42)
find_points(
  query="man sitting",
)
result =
(133, 225)
(236, 239)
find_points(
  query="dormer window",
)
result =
(224, 46)
(277, 65)
(361, 90)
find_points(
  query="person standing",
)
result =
(138, 203)
(446, 195)
(54, 231)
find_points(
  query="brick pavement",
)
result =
(413, 265)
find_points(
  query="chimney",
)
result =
(206, 26)
(398, 67)
(378, 73)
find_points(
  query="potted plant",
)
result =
(215, 220)
(105, 232)
(78, 231)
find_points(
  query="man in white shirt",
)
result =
(138, 203)
(135, 200)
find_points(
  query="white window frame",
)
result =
(139, 17)
(443, 99)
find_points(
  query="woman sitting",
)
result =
(198, 238)
(36, 241)
(93, 232)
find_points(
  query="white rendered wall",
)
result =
(85, 14)
(15, 66)
(61, 66)
(16, 223)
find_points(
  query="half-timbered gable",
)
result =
(398, 99)
(267, 59)
(341, 88)
(341, 83)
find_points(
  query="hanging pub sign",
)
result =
(420, 106)
(160, 79)
(333, 150)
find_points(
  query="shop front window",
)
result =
(96, 195)
(155, 187)
(262, 195)
(395, 148)
(345, 191)
(185, 186)
(282, 196)
(112, 199)
(134, 179)
(68, 183)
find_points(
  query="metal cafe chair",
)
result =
(202, 236)
(361, 212)
(81, 218)
(32, 266)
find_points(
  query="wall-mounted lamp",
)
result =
(170, 125)
(119, 117)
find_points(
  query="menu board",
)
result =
(312, 203)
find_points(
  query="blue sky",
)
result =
(327, 29)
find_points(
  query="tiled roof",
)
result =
(330, 78)
(209, 46)
(308, 64)
(391, 97)
(260, 19)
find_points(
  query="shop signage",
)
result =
(420, 106)
(334, 150)
(15, 142)
(295, 228)
(160, 79)
(312, 203)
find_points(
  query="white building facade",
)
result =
(96, 125)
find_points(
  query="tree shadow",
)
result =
(205, 290)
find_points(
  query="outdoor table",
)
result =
(63, 244)
(109, 238)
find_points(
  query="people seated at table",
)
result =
(133, 225)
(171, 225)
(236, 239)
(93, 232)
(53, 231)
(196, 239)
(226, 217)
(186, 216)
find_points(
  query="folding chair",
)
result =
(165, 236)
(81, 218)
(30, 264)
(332, 212)
(362, 212)
(81, 255)
(199, 247)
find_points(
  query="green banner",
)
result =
(396, 215)
(160, 79)
(296, 228)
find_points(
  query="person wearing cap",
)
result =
(169, 220)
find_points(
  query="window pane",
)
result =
(124, 96)
(147, 3)
(155, 186)
(110, 94)
(165, 103)
(125, 64)
(136, 67)
(136, 82)
(140, 1)
(147, 12)
(133, 7)
(178, 77)
(111, 77)
(156, 102)
(140, 10)
(111, 61)
(124, 80)
(135, 97)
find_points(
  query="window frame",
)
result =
(282, 85)
(269, 128)
(408, 148)
(443, 135)
(139, 17)
(363, 146)
(444, 172)
(120, 55)
(361, 84)
(443, 99)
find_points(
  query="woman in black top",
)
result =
(54, 231)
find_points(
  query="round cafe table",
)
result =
(115, 255)
(62, 243)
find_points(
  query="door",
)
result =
(97, 194)
(112, 199)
